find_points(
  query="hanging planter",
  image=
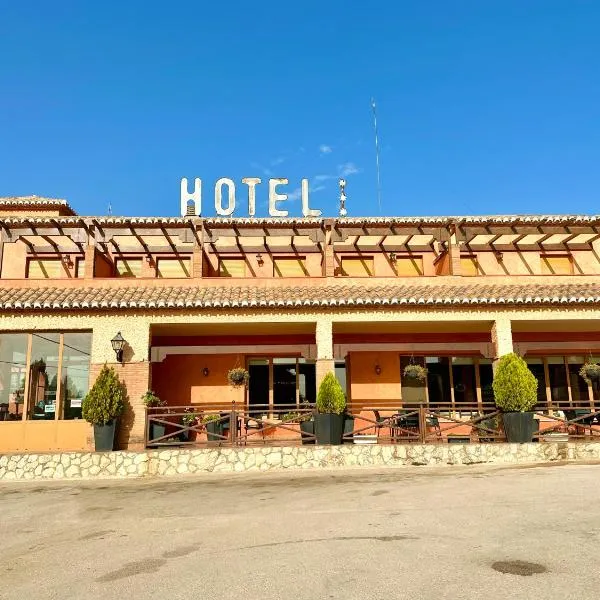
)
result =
(590, 371)
(416, 372)
(238, 377)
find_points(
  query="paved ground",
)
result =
(407, 533)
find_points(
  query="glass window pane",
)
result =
(129, 267)
(558, 381)
(463, 375)
(536, 366)
(284, 382)
(43, 375)
(556, 265)
(357, 267)
(579, 387)
(75, 374)
(173, 268)
(289, 267)
(409, 266)
(413, 390)
(258, 386)
(340, 375)
(438, 380)
(486, 380)
(13, 362)
(469, 266)
(232, 267)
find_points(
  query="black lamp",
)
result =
(377, 369)
(118, 343)
(205, 371)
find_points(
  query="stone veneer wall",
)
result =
(83, 465)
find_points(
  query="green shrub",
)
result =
(515, 386)
(106, 400)
(330, 398)
(150, 399)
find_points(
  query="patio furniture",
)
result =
(380, 423)
(433, 422)
(405, 423)
(583, 419)
(255, 426)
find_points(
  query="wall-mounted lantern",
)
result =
(260, 260)
(205, 371)
(118, 344)
(377, 369)
(393, 258)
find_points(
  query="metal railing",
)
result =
(366, 422)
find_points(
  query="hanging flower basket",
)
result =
(590, 371)
(238, 377)
(416, 372)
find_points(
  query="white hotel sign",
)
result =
(227, 210)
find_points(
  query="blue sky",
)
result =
(486, 106)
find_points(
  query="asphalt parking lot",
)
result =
(462, 532)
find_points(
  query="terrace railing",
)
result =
(367, 422)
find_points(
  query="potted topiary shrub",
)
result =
(151, 400)
(307, 423)
(515, 393)
(331, 403)
(102, 406)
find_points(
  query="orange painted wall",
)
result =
(45, 436)
(179, 379)
(13, 260)
(366, 385)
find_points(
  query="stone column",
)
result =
(501, 338)
(90, 261)
(134, 372)
(324, 339)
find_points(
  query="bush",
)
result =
(515, 386)
(150, 399)
(330, 398)
(106, 400)
(238, 377)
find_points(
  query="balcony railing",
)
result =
(366, 422)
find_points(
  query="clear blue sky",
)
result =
(484, 106)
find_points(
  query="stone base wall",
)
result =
(85, 465)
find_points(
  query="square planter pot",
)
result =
(104, 437)
(214, 429)
(329, 428)
(157, 430)
(307, 427)
(518, 427)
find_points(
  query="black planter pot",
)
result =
(156, 431)
(214, 429)
(348, 428)
(307, 427)
(329, 428)
(518, 427)
(104, 437)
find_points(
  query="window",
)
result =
(128, 267)
(469, 266)
(75, 373)
(463, 379)
(290, 267)
(409, 266)
(438, 380)
(50, 394)
(43, 375)
(579, 387)
(559, 385)
(357, 267)
(536, 366)
(173, 268)
(46, 268)
(413, 390)
(486, 379)
(13, 369)
(556, 265)
(232, 267)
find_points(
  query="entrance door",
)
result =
(258, 386)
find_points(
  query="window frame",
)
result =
(355, 257)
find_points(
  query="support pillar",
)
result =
(90, 261)
(328, 255)
(454, 254)
(501, 338)
(198, 253)
(324, 339)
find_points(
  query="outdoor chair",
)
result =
(585, 419)
(406, 422)
(254, 426)
(381, 422)
(433, 422)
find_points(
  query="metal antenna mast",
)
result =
(373, 107)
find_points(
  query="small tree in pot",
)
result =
(331, 403)
(102, 406)
(515, 393)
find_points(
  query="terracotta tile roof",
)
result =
(38, 202)
(438, 221)
(354, 296)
